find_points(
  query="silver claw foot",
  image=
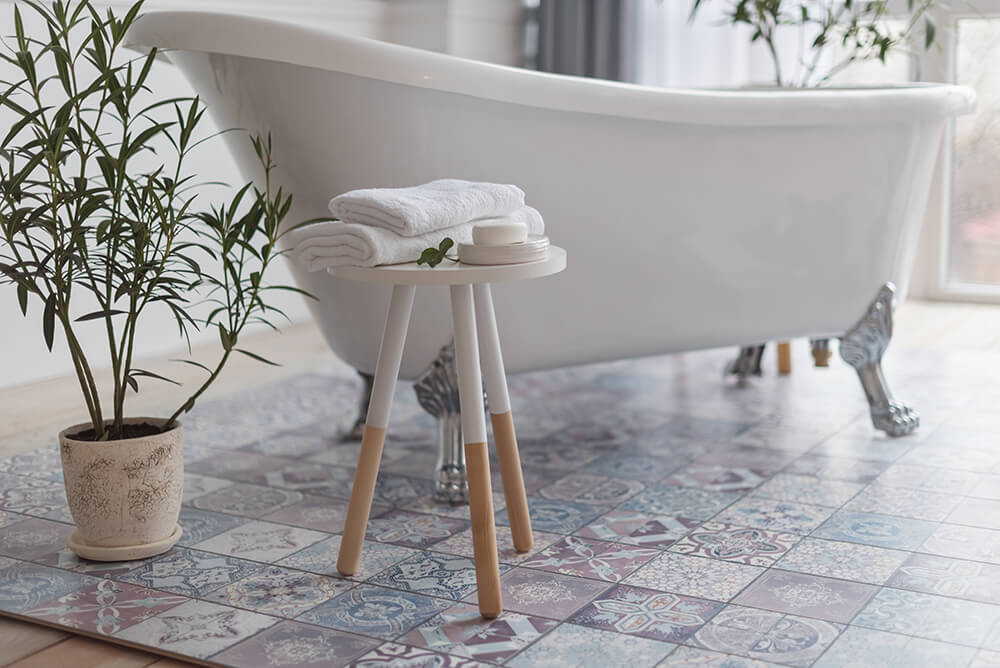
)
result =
(437, 393)
(863, 347)
(357, 430)
(747, 363)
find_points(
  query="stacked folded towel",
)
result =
(391, 225)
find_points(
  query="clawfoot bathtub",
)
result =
(693, 218)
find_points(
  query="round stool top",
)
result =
(454, 273)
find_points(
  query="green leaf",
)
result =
(256, 357)
(225, 338)
(49, 321)
(930, 31)
(149, 374)
(132, 383)
(22, 297)
(99, 314)
(193, 363)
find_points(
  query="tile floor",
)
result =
(679, 521)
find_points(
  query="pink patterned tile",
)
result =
(638, 528)
(545, 594)
(757, 547)
(34, 539)
(413, 529)
(647, 613)
(591, 559)
(293, 645)
(106, 607)
(807, 595)
(589, 489)
(717, 477)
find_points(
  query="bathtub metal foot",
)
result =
(863, 347)
(357, 430)
(747, 363)
(821, 352)
(437, 393)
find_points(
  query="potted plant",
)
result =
(860, 27)
(101, 223)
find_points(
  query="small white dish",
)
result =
(499, 234)
(535, 248)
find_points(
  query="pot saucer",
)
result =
(124, 552)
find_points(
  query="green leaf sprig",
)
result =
(433, 256)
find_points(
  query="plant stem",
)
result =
(194, 397)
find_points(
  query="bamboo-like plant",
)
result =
(99, 212)
(860, 27)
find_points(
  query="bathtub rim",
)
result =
(217, 32)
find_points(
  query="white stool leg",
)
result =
(484, 539)
(502, 419)
(390, 355)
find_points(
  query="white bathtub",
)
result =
(692, 218)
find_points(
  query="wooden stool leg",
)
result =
(484, 538)
(390, 355)
(502, 419)
(784, 358)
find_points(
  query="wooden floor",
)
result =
(943, 326)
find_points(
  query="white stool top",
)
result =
(454, 273)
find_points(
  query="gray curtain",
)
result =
(581, 37)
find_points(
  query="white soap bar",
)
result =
(499, 234)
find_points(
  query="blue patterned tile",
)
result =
(392, 654)
(838, 468)
(971, 580)
(433, 574)
(570, 645)
(241, 466)
(555, 516)
(261, 541)
(247, 500)
(413, 529)
(322, 558)
(860, 648)
(632, 467)
(199, 525)
(34, 539)
(693, 657)
(847, 561)
(44, 463)
(808, 489)
(694, 576)
(190, 572)
(635, 528)
(279, 591)
(198, 485)
(663, 499)
(594, 559)
(928, 616)
(591, 490)
(31, 496)
(294, 645)
(799, 518)
(871, 529)
(292, 444)
(24, 586)
(375, 611)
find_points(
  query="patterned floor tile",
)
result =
(44, 463)
(261, 541)
(636, 528)
(928, 616)
(7, 519)
(591, 490)
(243, 467)
(961, 542)
(68, 561)
(25, 586)
(631, 467)
(279, 591)
(429, 505)
(545, 594)
(987, 487)
(555, 516)
(321, 513)
(461, 544)
(433, 574)
(197, 485)
(190, 572)
(931, 478)
(807, 595)
(808, 489)
(764, 636)
(391, 654)
(293, 444)
(864, 448)
(594, 559)
(106, 607)
(774, 515)
(880, 530)
(983, 513)
(717, 477)
(756, 547)
(984, 659)
(572, 646)
(34, 539)
(860, 648)
(321, 558)
(375, 611)
(837, 468)
(847, 561)
(693, 657)
(199, 525)
(462, 631)
(970, 580)
(764, 461)
(647, 613)
(247, 500)
(31, 496)
(293, 645)
(197, 628)
(674, 501)
(963, 459)
(413, 529)
(694, 576)
(919, 504)
(306, 476)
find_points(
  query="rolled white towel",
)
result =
(426, 208)
(335, 244)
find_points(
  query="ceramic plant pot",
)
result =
(125, 496)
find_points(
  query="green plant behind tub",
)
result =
(859, 27)
(100, 212)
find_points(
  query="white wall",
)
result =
(482, 29)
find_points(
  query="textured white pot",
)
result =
(125, 495)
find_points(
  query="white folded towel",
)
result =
(432, 206)
(335, 244)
